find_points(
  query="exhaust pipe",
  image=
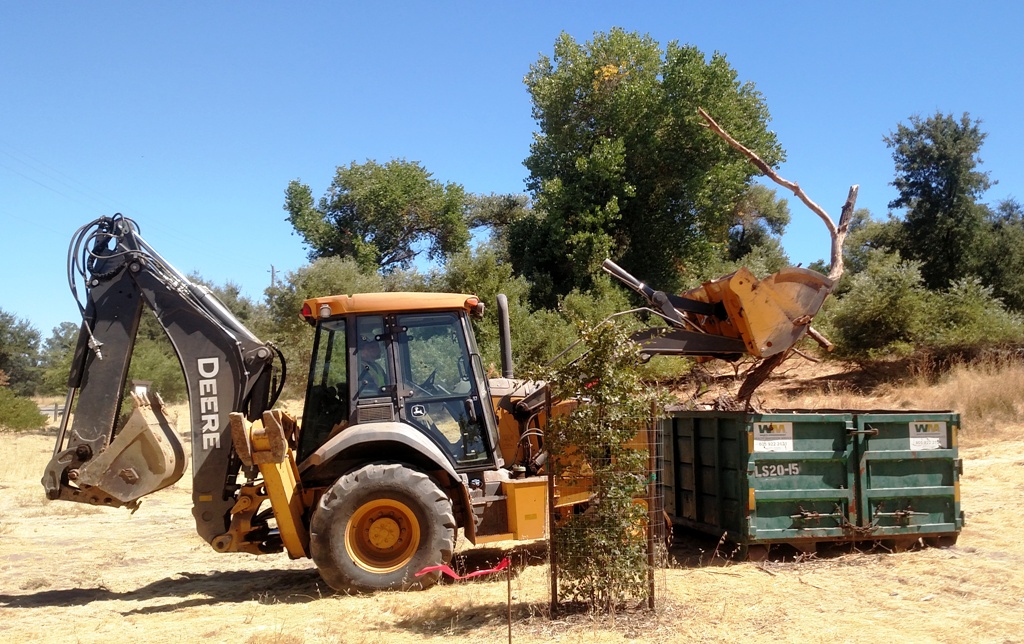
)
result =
(504, 336)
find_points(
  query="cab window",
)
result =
(326, 410)
(439, 394)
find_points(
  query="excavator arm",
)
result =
(226, 368)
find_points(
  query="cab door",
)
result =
(439, 390)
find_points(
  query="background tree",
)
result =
(379, 215)
(55, 358)
(939, 185)
(758, 221)
(154, 360)
(621, 165)
(19, 354)
(538, 334)
(17, 412)
(1001, 248)
(324, 276)
(496, 211)
(247, 310)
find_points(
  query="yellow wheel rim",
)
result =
(382, 535)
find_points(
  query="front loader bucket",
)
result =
(768, 315)
(145, 456)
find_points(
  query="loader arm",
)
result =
(731, 316)
(226, 368)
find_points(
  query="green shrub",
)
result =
(886, 311)
(19, 413)
(969, 315)
(602, 551)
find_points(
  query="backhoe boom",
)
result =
(226, 368)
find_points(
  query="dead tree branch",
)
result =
(837, 233)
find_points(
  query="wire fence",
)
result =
(609, 529)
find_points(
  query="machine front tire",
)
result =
(376, 527)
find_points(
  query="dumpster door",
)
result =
(909, 475)
(802, 478)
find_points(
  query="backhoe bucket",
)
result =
(768, 315)
(145, 456)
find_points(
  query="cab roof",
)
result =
(314, 308)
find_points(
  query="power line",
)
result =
(54, 174)
(53, 179)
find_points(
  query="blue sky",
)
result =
(191, 117)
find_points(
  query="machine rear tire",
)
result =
(376, 527)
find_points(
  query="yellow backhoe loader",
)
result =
(403, 439)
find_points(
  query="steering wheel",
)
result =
(430, 385)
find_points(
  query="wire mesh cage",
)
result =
(608, 526)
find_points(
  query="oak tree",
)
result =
(380, 215)
(622, 166)
(939, 185)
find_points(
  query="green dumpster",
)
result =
(802, 477)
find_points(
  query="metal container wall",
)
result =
(909, 474)
(800, 477)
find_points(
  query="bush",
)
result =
(19, 413)
(602, 552)
(969, 315)
(886, 311)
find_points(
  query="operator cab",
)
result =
(407, 358)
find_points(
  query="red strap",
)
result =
(503, 564)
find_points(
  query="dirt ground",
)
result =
(74, 573)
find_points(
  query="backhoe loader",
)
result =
(403, 440)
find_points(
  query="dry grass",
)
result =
(989, 395)
(113, 576)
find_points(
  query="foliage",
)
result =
(969, 315)
(378, 214)
(17, 412)
(248, 311)
(55, 359)
(495, 211)
(154, 360)
(538, 335)
(622, 167)
(938, 184)
(19, 353)
(757, 224)
(865, 235)
(885, 311)
(292, 334)
(602, 552)
(1002, 250)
